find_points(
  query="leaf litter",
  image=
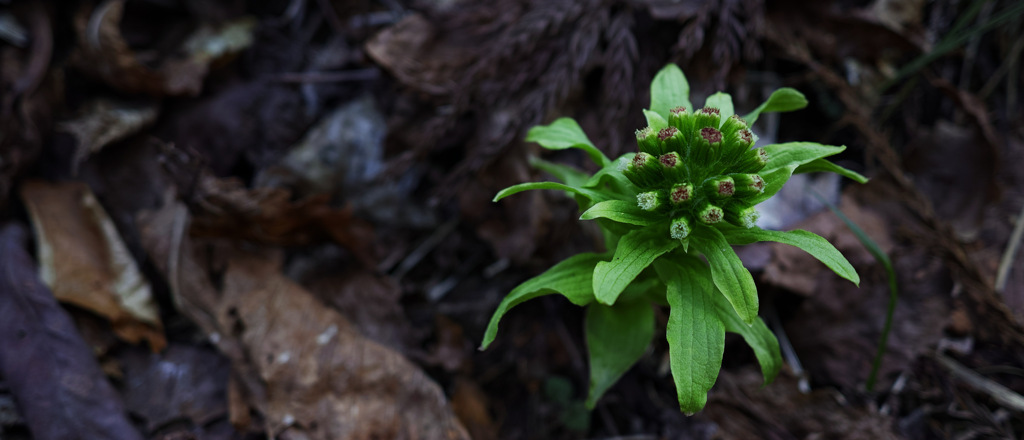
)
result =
(256, 104)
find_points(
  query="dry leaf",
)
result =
(103, 52)
(104, 121)
(85, 263)
(60, 390)
(796, 270)
(182, 383)
(227, 209)
(302, 364)
(743, 409)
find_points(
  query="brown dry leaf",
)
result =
(407, 50)
(104, 121)
(743, 409)
(302, 364)
(227, 209)
(796, 270)
(104, 53)
(85, 262)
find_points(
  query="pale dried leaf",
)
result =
(85, 262)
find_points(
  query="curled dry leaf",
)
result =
(84, 261)
(104, 53)
(60, 390)
(226, 208)
(303, 365)
(406, 50)
(104, 121)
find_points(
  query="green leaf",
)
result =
(571, 278)
(669, 90)
(695, 333)
(727, 272)
(655, 120)
(723, 102)
(594, 196)
(797, 153)
(635, 251)
(809, 242)
(567, 174)
(784, 159)
(782, 100)
(757, 336)
(565, 133)
(825, 166)
(616, 338)
(620, 211)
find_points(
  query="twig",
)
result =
(424, 248)
(1012, 246)
(997, 392)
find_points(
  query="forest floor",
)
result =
(242, 219)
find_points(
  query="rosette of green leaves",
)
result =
(650, 259)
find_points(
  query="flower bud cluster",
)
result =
(698, 170)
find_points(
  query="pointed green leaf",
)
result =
(565, 133)
(723, 102)
(669, 90)
(515, 189)
(825, 166)
(620, 211)
(809, 242)
(727, 272)
(695, 333)
(655, 120)
(567, 174)
(635, 251)
(797, 153)
(757, 336)
(782, 100)
(571, 278)
(616, 338)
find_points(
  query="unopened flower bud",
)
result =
(680, 193)
(647, 140)
(720, 187)
(748, 184)
(742, 215)
(672, 140)
(710, 214)
(648, 201)
(680, 228)
(707, 147)
(672, 164)
(733, 124)
(681, 119)
(707, 117)
(752, 161)
(644, 171)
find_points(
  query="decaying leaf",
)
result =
(794, 269)
(104, 53)
(743, 410)
(58, 385)
(104, 121)
(226, 208)
(182, 383)
(310, 373)
(84, 261)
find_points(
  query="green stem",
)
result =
(880, 255)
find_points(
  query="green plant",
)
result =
(689, 192)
